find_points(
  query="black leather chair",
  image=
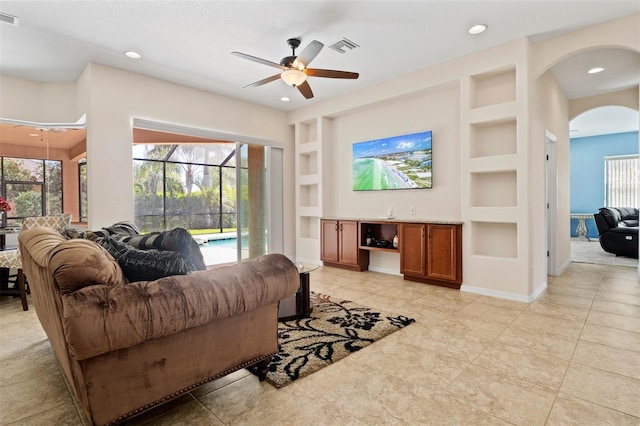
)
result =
(618, 229)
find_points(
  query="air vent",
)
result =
(345, 42)
(8, 19)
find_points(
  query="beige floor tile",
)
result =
(540, 341)
(503, 303)
(615, 360)
(248, 401)
(570, 290)
(192, 413)
(413, 366)
(518, 362)
(611, 336)
(377, 399)
(489, 313)
(616, 308)
(622, 322)
(19, 399)
(603, 388)
(62, 415)
(546, 323)
(149, 417)
(447, 341)
(437, 408)
(587, 282)
(29, 364)
(564, 312)
(565, 299)
(320, 412)
(618, 285)
(567, 410)
(613, 296)
(622, 273)
(510, 399)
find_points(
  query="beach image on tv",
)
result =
(398, 162)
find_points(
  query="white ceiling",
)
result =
(190, 42)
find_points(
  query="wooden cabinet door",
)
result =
(412, 249)
(443, 252)
(329, 240)
(348, 242)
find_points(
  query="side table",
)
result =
(298, 305)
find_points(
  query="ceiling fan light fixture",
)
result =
(293, 77)
(595, 70)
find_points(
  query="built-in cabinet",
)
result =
(429, 252)
(339, 245)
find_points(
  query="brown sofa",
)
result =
(127, 347)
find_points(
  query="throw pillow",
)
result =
(177, 239)
(146, 265)
(80, 263)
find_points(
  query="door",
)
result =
(412, 249)
(551, 200)
(442, 252)
(329, 241)
(348, 244)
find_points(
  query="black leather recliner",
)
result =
(618, 229)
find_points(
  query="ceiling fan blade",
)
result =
(308, 54)
(263, 81)
(305, 89)
(315, 72)
(258, 60)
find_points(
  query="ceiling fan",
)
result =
(294, 68)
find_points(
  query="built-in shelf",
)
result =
(494, 189)
(495, 138)
(309, 227)
(494, 239)
(370, 248)
(308, 162)
(494, 87)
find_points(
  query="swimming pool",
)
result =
(223, 243)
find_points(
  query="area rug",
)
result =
(591, 252)
(334, 329)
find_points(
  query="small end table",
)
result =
(298, 305)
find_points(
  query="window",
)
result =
(191, 186)
(33, 187)
(621, 181)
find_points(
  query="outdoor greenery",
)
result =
(33, 187)
(191, 186)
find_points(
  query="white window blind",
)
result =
(621, 181)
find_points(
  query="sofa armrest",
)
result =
(99, 319)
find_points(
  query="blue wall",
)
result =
(587, 172)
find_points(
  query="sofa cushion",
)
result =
(177, 239)
(611, 216)
(146, 265)
(80, 263)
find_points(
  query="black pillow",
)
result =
(177, 239)
(146, 265)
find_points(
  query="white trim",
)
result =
(80, 124)
(550, 136)
(563, 267)
(141, 123)
(504, 295)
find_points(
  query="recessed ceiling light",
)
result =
(133, 55)
(285, 99)
(573, 130)
(34, 134)
(595, 70)
(477, 29)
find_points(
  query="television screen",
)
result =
(398, 162)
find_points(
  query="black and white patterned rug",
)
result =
(334, 329)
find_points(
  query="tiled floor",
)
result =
(570, 357)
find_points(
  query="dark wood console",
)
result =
(429, 252)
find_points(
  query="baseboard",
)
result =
(385, 270)
(563, 267)
(505, 295)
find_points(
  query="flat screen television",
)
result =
(397, 162)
